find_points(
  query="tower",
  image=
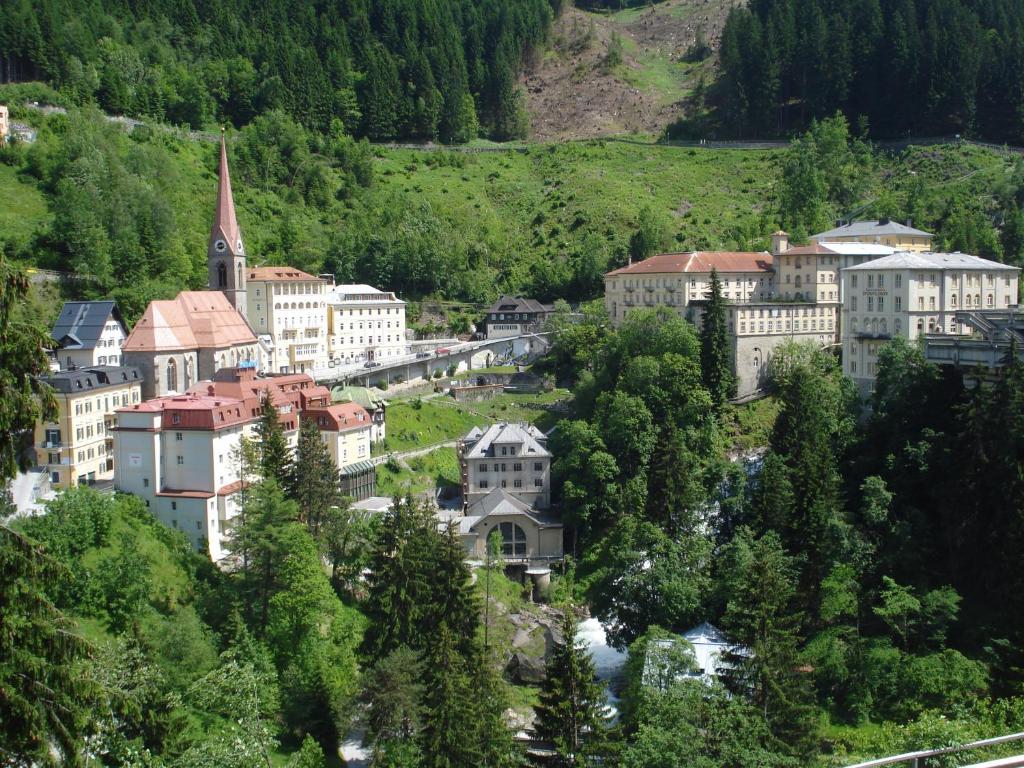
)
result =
(225, 255)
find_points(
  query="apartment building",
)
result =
(76, 448)
(88, 333)
(189, 338)
(678, 279)
(901, 237)
(178, 453)
(911, 294)
(290, 306)
(364, 324)
(512, 457)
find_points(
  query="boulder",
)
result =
(525, 669)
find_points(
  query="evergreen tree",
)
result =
(275, 456)
(447, 738)
(571, 700)
(761, 618)
(714, 347)
(313, 480)
(393, 693)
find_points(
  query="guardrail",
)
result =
(914, 758)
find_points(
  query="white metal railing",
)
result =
(915, 758)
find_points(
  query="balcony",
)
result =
(869, 335)
(50, 444)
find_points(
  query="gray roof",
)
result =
(80, 323)
(526, 437)
(92, 378)
(916, 260)
(878, 228)
(501, 502)
(519, 304)
(707, 634)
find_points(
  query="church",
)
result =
(180, 341)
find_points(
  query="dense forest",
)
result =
(436, 70)
(895, 67)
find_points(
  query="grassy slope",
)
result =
(22, 206)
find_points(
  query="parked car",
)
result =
(442, 351)
(422, 354)
(371, 364)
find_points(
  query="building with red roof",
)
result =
(179, 453)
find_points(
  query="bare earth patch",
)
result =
(576, 90)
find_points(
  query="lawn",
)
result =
(427, 472)
(22, 206)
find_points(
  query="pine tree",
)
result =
(449, 715)
(760, 617)
(714, 347)
(570, 710)
(494, 744)
(455, 603)
(313, 481)
(275, 455)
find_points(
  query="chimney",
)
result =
(910, 222)
(883, 221)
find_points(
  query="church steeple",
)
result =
(226, 253)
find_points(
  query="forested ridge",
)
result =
(903, 67)
(425, 70)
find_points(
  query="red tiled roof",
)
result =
(280, 273)
(196, 411)
(814, 249)
(340, 417)
(699, 261)
(192, 320)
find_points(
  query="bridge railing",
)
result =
(918, 759)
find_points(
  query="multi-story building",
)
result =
(179, 453)
(910, 294)
(76, 448)
(179, 342)
(512, 457)
(995, 334)
(514, 316)
(5, 124)
(364, 324)
(901, 237)
(88, 333)
(677, 279)
(290, 306)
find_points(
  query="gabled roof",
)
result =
(370, 398)
(814, 249)
(501, 502)
(917, 260)
(193, 320)
(80, 323)
(873, 228)
(519, 304)
(340, 417)
(525, 436)
(706, 634)
(699, 262)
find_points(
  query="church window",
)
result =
(172, 375)
(222, 275)
(241, 278)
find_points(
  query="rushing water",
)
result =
(608, 662)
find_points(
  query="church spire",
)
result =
(225, 256)
(225, 224)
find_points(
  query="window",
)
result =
(899, 303)
(899, 281)
(483, 483)
(174, 505)
(145, 482)
(517, 467)
(504, 484)
(538, 466)
(853, 303)
(181, 460)
(853, 281)
(538, 482)
(513, 540)
(177, 436)
(871, 303)
(881, 304)
(517, 483)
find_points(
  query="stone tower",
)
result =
(225, 255)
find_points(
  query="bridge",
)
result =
(464, 356)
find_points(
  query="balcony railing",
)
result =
(47, 444)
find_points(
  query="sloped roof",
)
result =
(872, 228)
(192, 320)
(519, 304)
(699, 262)
(282, 274)
(340, 417)
(80, 323)
(526, 436)
(369, 397)
(501, 502)
(92, 377)
(706, 634)
(814, 249)
(917, 260)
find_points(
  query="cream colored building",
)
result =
(911, 294)
(901, 237)
(88, 333)
(290, 306)
(527, 536)
(5, 124)
(77, 447)
(511, 457)
(364, 324)
(677, 279)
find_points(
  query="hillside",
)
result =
(623, 72)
